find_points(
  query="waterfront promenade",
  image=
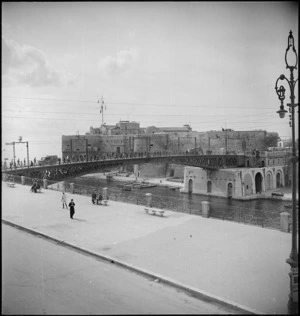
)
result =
(239, 264)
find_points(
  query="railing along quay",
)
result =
(251, 216)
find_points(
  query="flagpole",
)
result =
(102, 109)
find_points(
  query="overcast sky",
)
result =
(212, 65)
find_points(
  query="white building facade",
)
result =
(238, 183)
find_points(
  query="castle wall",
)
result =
(214, 141)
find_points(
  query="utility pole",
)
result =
(20, 142)
(14, 155)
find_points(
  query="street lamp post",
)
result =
(293, 258)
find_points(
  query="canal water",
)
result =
(262, 212)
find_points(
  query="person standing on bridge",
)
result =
(64, 200)
(72, 208)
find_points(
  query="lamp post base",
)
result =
(293, 297)
(292, 307)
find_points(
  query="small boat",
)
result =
(290, 206)
(127, 187)
(146, 186)
(277, 194)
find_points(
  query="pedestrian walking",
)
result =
(72, 208)
(94, 197)
(34, 187)
(34, 160)
(99, 199)
(64, 200)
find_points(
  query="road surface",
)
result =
(42, 277)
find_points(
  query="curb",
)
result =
(207, 297)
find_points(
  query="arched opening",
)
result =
(258, 182)
(118, 150)
(209, 186)
(172, 171)
(229, 190)
(248, 163)
(190, 186)
(278, 180)
(262, 163)
(269, 181)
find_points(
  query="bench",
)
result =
(152, 211)
(277, 194)
(10, 184)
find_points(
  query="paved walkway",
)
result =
(236, 263)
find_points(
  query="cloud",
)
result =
(23, 64)
(120, 63)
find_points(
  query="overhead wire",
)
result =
(131, 103)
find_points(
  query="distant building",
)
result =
(127, 137)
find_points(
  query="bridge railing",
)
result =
(110, 157)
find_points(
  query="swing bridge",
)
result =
(59, 172)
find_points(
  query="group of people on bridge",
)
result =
(15, 164)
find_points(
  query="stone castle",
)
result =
(109, 141)
(126, 137)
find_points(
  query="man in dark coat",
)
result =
(72, 208)
(94, 198)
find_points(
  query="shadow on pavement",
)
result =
(79, 220)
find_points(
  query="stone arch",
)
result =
(269, 181)
(209, 186)
(279, 179)
(248, 183)
(190, 189)
(258, 182)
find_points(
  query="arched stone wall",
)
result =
(269, 181)
(209, 186)
(248, 184)
(259, 183)
(279, 179)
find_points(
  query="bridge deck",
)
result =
(61, 171)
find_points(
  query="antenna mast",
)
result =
(102, 108)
